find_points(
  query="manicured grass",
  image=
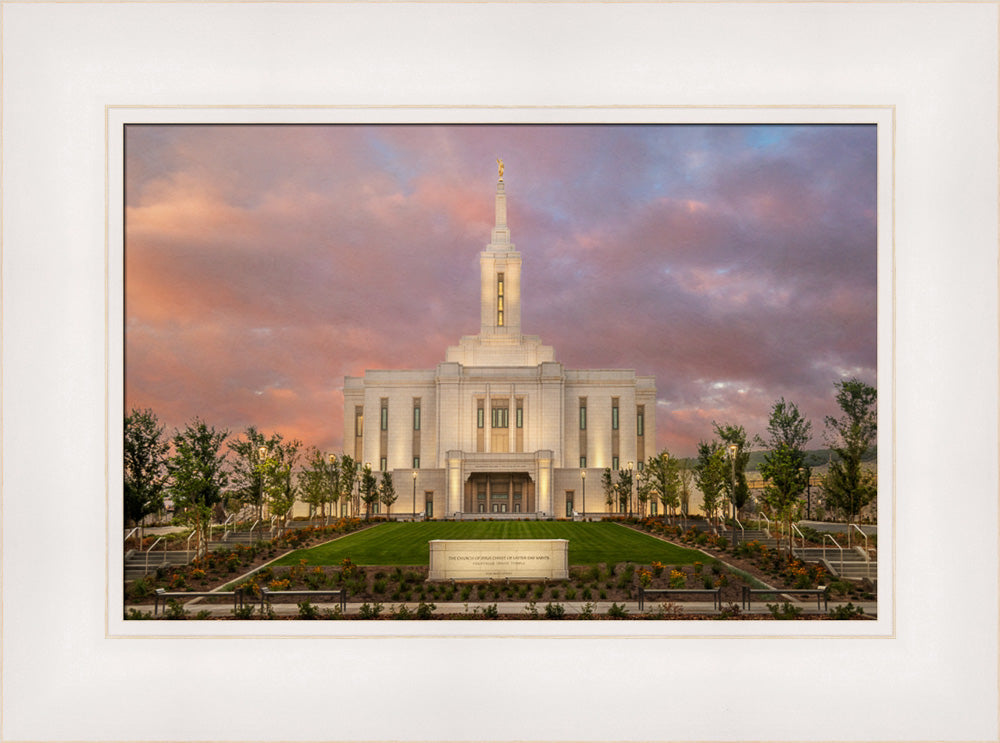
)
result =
(403, 543)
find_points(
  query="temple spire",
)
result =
(501, 232)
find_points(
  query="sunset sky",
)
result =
(737, 264)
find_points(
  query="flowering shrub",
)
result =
(279, 584)
(177, 581)
(697, 568)
(677, 579)
(657, 568)
(197, 574)
(645, 577)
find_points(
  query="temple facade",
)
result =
(499, 429)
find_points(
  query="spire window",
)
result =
(500, 300)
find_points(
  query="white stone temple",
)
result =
(499, 429)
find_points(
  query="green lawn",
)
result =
(403, 543)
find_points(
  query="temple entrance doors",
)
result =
(499, 492)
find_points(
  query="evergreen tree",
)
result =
(369, 490)
(387, 492)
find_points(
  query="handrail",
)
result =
(225, 526)
(187, 544)
(763, 515)
(868, 562)
(158, 540)
(796, 527)
(124, 541)
(829, 536)
(273, 519)
(743, 533)
(252, 528)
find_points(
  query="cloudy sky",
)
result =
(737, 264)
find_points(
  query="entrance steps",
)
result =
(136, 562)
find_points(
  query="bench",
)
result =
(715, 593)
(266, 594)
(162, 593)
(819, 593)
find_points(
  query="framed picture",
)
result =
(94, 94)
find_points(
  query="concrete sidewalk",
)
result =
(520, 608)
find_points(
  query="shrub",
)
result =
(697, 568)
(707, 582)
(678, 579)
(785, 611)
(243, 612)
(203, 614)
(370, 611)
(401, 613)
(586, 595)
(308, 611)
(175, 610)
(531, 610)
(570, 594)
(587, 612)
(603, 594)
(141, 589)
(177, 581)
(424, 611)
(731, 611)
(657, 568)
(617, 612)
(847, 612)
(554, 611)
(466, 592)
(491, 612)
(379, 585)
(136, 614)
(554, 593)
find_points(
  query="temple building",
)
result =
(499, 429)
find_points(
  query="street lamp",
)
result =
(733, 448)
(629, 467)
(583, 479)
(261, 454)
(414, 495)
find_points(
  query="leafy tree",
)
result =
(848, 486)
(277, 464)
(731, 434)
(784, 467)
(662, 480)
(145, 454)
(319, 481)
(247, 475)
(348, 478)
(624, 490)
(608, 485)
(387, 492)
(197, 474)
(685, 475)
(369, 490)
(711, 474)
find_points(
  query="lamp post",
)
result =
(583, 480)
(629, 467)
(414, 495)
(261, 454)
(361, 475)
(733, 448)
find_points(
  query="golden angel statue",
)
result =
(500, 168)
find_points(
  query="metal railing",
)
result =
(187, 544)
(799, 532)
(158, 540)
(252, 528)
(743, 533)
(830, 537)
(868, 561)
(125, 541)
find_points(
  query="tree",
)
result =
(197, 474)
(248, 485)
(729, 435)
(369, 490)
(319, 481)
(624, 490)
(276, 464)
(662, 481)
(710, 474)
(387, 492)
(784, 468)
(685, 475)
(145, 454)
(849, 486)
(608, 485)
(348, 477)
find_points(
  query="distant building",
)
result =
(499, 427)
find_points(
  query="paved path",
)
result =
(808, 606)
